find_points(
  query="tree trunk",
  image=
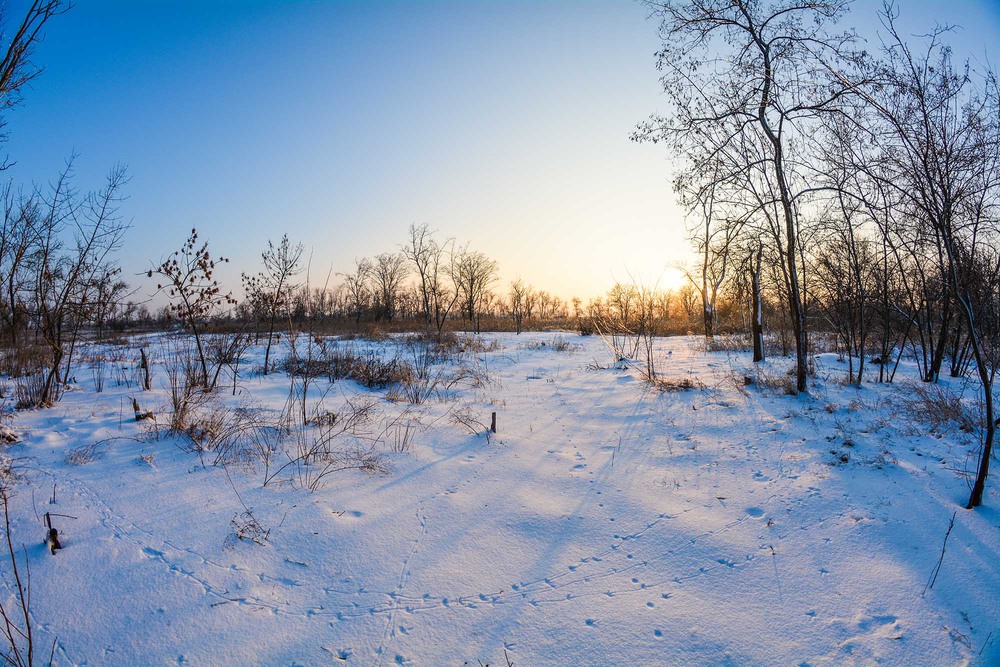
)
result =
(757, 325)
(976, 498)
(937, 356)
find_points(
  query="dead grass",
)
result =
(557, 344)
(939, 408)
(24, 360)
(84, 454)
(675, 384)
(28, 390)
(769, 379)
(728, 343)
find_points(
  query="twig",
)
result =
(937, 569)
(986, 643)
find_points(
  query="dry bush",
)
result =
(336, 362)
(449, 347)
(558, 344)
(221, 348)
(766, 378)
(28, 391)
(8, 473)
(621, 342)
(414, 390)
(467, 417)
(243, 437)
(79, 456)
(192, 411)
(373, 333)
(317, 448)
(97, 369)
(739, 380)
(204, 426)
(24, 360)
(477, 344)
(939, 407)
(373, 371)
(439, 348)
(399, 435)
(729, 343)
(226, 349)
(313, 367)
(672, 384)
(420, 383)
(476, 375)
(184, 398)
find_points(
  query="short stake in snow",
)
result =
(52, 538)
(493, 423)
(139, 414)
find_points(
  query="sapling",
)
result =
(193, 291)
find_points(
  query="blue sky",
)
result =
(502, 124)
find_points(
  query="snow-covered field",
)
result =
(606, 523)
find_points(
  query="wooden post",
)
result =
(139, 414)
(53, 536)
(493, 423)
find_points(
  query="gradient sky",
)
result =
(503, 124)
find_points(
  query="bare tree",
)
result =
(18, 234)
(432, 261)
(420, 251)
(189, 280)
(67, 275)
(357, 289)
(518, 302)
(940, 141)
(271, 289)
(473, 274)
(746, 78)
(388, 272)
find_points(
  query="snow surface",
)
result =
(607, 523)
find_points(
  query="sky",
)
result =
(504, 125)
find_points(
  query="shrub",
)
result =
(24, 360)
(683, 384)
(28, 390)
(938, 407)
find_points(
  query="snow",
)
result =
(607, 522)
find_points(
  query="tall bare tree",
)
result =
(73, 256)
(939, 137)
(744, 74)
(473, 274)
(357, 289)
(517, 303)
(420, 251)
(388, 272)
